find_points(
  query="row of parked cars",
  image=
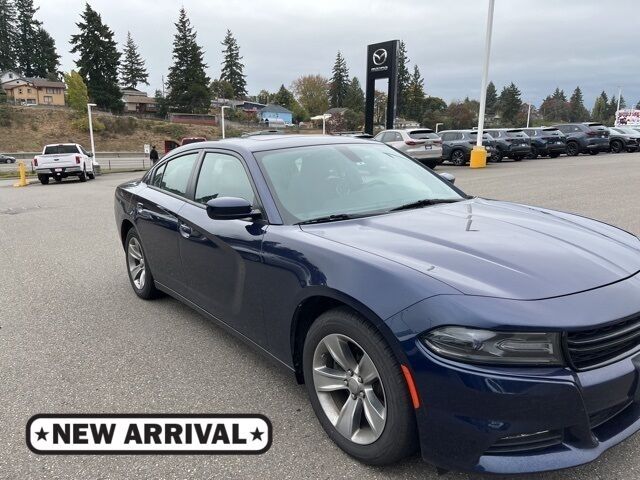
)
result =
(455, 146)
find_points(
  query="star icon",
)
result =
(257, 435)
(42, 435)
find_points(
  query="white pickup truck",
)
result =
(61, 160)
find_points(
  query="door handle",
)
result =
(185, 230)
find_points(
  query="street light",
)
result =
(324, 121)
(437, 125)
(222, 117)
(479, 154)
(528, 114)
(93, 147)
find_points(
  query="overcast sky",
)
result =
(538, 44)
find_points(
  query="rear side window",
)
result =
(223, 175)
(175, 177)
(60, 149)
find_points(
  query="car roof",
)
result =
(260, 143)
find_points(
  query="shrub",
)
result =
(82, 124)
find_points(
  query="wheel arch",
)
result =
(320, 300)
(124, 230)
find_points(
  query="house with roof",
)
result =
(33, 90)
(137, 101)
(274, 112)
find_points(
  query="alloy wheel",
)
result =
(135, 261)
(349, 389)
(458, 158)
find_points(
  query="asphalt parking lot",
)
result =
(75, 338)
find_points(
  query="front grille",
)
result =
(603, 416)
(526, 442)
(596, 347)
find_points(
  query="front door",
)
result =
(222, 258)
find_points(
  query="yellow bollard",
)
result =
(22, 170)
(478, 157)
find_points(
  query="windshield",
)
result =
(353, 179)
(60, 149)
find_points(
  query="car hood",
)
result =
(499, 249)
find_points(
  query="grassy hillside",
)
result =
(27, 129)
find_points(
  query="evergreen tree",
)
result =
(355, 96)
(415, 96)
(232, 68)
(339, 87)
(45, 57)
(638, 105)
(492, 99)
(132, 69)
(404, 77)
(284, 98)
(187, 80)
(600, 108)
(577, 110)
(98, 60)
(8, 35)
(27, 30)
(509, 104)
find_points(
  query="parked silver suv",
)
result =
(422, 144)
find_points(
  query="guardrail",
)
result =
(29, 155)
(106, 163)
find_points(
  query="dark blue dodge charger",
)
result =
(494, 337)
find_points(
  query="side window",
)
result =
(397, 137)
(445, 137)
(223, 175)
(459, 136)
(387, 137)
(379, 137)
(157, 176)
(175, 177)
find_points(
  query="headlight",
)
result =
(485, 346)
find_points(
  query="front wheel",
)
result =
(139, 274)
(497, 155)
(91, 175)
(617, 146)
(357, 389)
(572, 149)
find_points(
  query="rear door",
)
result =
(395, 139)
(222, 258)
(156, 218)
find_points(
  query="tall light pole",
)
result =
(437, 125)
(528, 114)
(479, 154)
(619, 95)
(93, 146)
(222, 117)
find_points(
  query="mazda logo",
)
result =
(379, 56)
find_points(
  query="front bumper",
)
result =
(485, 421)
(471, 416)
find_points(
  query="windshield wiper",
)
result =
(329, 218)
(425, 203)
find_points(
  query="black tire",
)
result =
(594, 152)
(554, 155)
(458, 158)
(83, 176)
(573, 149)
(497, 155)
(91, 175)
(616, 146)
(534, 153)
(44, 179)
(148, 290)
(399, 436)
(517, 158)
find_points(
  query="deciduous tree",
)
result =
(77, 95)
(312, 91)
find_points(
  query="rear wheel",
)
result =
(458, 158)
(139, 274)
(44, 179)
(572, 149)
(357, 389)
(616, 146)
(83, 176)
